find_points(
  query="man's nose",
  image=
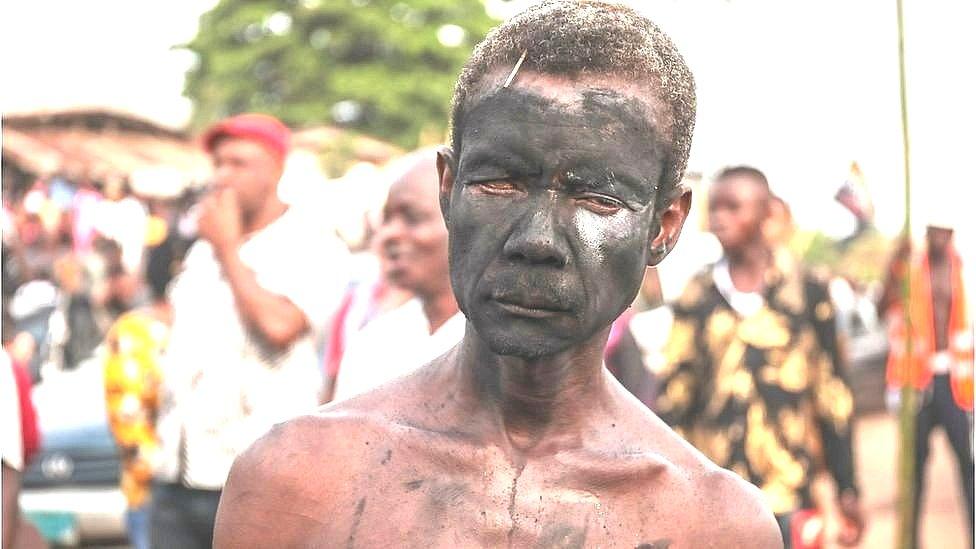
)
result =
(717, 217)
(536, 239)
(222, 174)
(389, 231)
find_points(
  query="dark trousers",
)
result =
(938, 408)
(182, 518)
(784, 529)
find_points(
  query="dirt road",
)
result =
(943, 520)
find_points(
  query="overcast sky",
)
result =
(800, 89)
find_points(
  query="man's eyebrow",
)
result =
(609, 179)
(501, 156)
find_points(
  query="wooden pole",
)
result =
(907, 416)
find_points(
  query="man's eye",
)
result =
(497, 186)
(602, 205)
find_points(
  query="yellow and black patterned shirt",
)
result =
(132, 378)
(764, 395)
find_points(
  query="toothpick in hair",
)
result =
(515, 70)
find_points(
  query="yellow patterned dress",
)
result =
(132, 378)
(764, 395)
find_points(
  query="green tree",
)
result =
(383, 67)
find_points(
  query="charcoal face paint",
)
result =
(551, 214)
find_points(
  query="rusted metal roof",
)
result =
(98, 143)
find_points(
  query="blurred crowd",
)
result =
(77, 254)
(213, 315)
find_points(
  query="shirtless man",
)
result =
(561, 185)
(942, 357)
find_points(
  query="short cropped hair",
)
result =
(745, 171)
(590, 37)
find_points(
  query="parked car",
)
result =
(71, 489)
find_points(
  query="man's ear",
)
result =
(672, 218)
(446, 170)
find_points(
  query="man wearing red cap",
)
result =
(246, 309)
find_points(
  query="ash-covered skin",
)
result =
(551, 214)
(519, 436)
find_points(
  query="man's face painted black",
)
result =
(550, 214)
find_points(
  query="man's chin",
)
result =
(508, 342)
(399, 278)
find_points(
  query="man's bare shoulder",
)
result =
(734, 513)
(720, 508)
(293, 484)
(725, 510)
(307, 478)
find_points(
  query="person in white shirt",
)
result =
(256, 288)
(121, 217)
(412, 239)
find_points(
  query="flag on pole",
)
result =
(853, 194)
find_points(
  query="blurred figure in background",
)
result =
(122, 218)
(256, 287)
(650, 328)
(133, 374)
(369, 294)
(412, 242)
(84, 213)
(16, 449)
(11, 451)
(753, 374)
(132, 377)
(624, 359)
(366, 298)
(13, 342)
(941, 364)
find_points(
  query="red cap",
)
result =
(263, 128)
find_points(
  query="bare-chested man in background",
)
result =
(571, 129)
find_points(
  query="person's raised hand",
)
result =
(220, 219)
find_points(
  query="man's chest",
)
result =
(941, 287)
(501, 507)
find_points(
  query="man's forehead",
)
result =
(231, 143)
(567, 91)
(416, 180)
(739, 189)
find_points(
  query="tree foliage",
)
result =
(862, 260)
(384, 67)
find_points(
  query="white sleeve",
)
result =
(313, 276)
(11, 441)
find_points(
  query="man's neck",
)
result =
(536, 406)
(439, 308)
(748, 266)
(272, 209)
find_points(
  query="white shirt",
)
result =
(392, 346)
(124, 222)
(744, 303)
(222, 388)
(651, 329)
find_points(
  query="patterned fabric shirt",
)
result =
(763, 393)
(132, 377)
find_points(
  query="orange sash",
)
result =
(916, 369)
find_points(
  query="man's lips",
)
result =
(528, 308)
